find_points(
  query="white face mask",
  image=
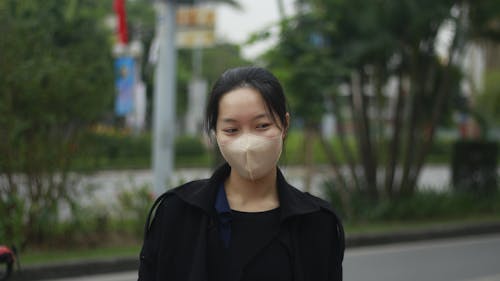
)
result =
(252, 156)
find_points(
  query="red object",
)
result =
(5, 250)
(119, 7)
(7, 258)
(6, 255)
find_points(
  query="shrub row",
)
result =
(118, 151)
(424, 205)
(105, 151)
(122, 223)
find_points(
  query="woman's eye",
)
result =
(263, 126)
(230, 130)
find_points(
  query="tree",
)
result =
(56, 74)
(484, 31)
(363, 45)
(488, 102)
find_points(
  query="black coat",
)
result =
(175, 244)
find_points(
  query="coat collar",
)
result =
(202, 194)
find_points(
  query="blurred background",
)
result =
(395, 109)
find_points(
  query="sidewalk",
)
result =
(85, 267)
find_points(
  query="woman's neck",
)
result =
(252, 196)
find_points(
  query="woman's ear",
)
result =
(213, 136)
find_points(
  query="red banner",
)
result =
(119, 7)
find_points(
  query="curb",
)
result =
(102, 266)
(430, 233)
(75, 269)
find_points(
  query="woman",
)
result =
(245, 222)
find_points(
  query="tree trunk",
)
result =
(360, 114)
(334, 164)
(443, 92)
(411, 136)
(346, 150)
(394, 147)
(309, 138)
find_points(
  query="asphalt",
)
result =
(100, 266)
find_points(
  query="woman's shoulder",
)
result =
(319, 201)
(171, 206)
(175, 197)
(324, 206)
(325, 221)
(195, 194)
(326, 213)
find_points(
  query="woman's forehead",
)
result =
(244, 103)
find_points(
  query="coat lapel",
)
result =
(199, 270)
(202, 194)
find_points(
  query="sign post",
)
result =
(164, 124)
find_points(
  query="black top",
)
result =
(253, 252)
(182, 226)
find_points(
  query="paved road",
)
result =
(465, 259)
(470, 259)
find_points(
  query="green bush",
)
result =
(186, 146)
(424, 205)
(12, 226)
(293, 153)
(122, 151)
(474, 166)
(117, 150)
(440, 152)
(133, 207)
(101, 223)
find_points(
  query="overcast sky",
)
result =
(235, 25)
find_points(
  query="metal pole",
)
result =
(197, 62)
(197, 56)
(164, 124)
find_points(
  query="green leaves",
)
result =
(362, 45)
(485, 19)
(56, 74)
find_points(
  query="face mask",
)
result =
(252, 156)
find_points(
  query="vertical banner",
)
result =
(125, 85)
(122, 32)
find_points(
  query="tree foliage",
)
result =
(488, 102)
(363, 47)
(57, 77)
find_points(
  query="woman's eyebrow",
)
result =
(229, 120)
(263, 115)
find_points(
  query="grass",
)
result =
(34, 257)
(388, 226)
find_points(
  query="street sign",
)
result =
(195, 39)
(195, 17)
(195, 27)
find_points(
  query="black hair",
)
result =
(257, 78)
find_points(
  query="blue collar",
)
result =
(203, 194)
(224, 215)
(221, 204)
